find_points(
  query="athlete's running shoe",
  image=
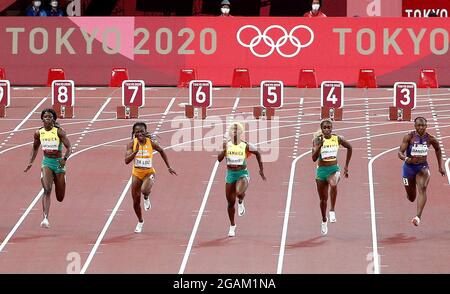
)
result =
(416, 221)
(324, 228)
(232, 231)
(139, 227)
(147, 204)
(241, 208)
(332, 216)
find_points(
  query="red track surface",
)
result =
(97, 178)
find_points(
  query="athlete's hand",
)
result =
(62, 163)
(172, 171)
(319, 141)
(261, 172)
(224, 144)
(442, 171)
(28, 167)
(346, 172)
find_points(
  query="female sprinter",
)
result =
(325, 150)
(51, 137)
(236, 152)
(415, 166)
(143, 174)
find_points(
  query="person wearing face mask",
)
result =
(225, 8)
(35, 9)
(315, 11)
(54, 9)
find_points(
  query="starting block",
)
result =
(2, 110)
(428, 79)
(366, 79)
(63, 111)
(127, 112)
(2, 74)
(399, 114)
(263, 112)
(186, 75)
(307, 79)
(241, 78)
(195, 112)
(118, 75)
(334, 114)
(55, 74)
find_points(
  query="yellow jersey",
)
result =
(143, 158)
(329, 149)
(50, 142)
(236, 154)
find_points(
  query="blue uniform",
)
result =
(55, 12)
(31, 11)
(418, 146)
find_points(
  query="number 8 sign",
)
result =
(405, 95)
(63, 92)
(4, 93)
(133, 93)
(200, 93)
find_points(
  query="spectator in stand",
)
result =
(225, 8)
(315, 11)
(35, 9)
(55, 10)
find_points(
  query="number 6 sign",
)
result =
(200, 93)
(271, 94)
(63, 92)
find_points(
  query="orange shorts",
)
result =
(142, 173)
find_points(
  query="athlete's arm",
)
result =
(158, 148)
(34, 150)
(434, 142)
(347, 145)
(65, 140)
(221, 155)
(252, 149)
(402, 149)
(317, 144)
(129, 155)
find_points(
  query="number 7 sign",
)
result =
(271, 94)
(133, 93)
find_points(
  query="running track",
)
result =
(185, 231)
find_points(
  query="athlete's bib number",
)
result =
(143, 162)
(419, 150)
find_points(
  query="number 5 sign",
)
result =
(405, 95)
(133, 93)
(332, 94)
(271, 94)
(200, 93)
(63, 92)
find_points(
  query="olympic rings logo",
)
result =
(256, 40)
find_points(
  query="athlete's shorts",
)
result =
(411, 170)
(324, 172)
(53, 164)
(142, 173)
(234, 175)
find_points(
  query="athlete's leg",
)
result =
(422, 179)
(322, 189)
(60, 186)
(410, 187)
(241, 187)
(47, 182)
(230, 193)
(136, 185)
(333, 181)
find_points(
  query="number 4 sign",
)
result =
(133, 93)
(271, 94)
(63, 92)
(405, 95)
(332, 94)
(200, 93)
